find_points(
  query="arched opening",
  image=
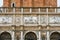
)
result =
(5, 36)
(13, 5)
(55, 36)
(30, 36)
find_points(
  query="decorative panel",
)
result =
(30, 20)
(43, 19)
(6, 19)
(54, 19)
(18, 19)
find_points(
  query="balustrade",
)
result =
(29, 10)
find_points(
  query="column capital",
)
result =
(48, 27)
(40, 26)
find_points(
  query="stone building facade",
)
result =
(29, 20)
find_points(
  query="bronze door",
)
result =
(5, 36)
(30, 36)
(55, 36)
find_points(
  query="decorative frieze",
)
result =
(6, 19)
(30, 20)
(54, 19)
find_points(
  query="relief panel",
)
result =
(30, 20)
(43, 19)
(6, 19)
(18, 19)
(54, 19)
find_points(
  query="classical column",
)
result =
(22, 35)
(48, 35)
(13, 35)
(39, 35)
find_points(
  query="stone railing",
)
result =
(30, 10)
